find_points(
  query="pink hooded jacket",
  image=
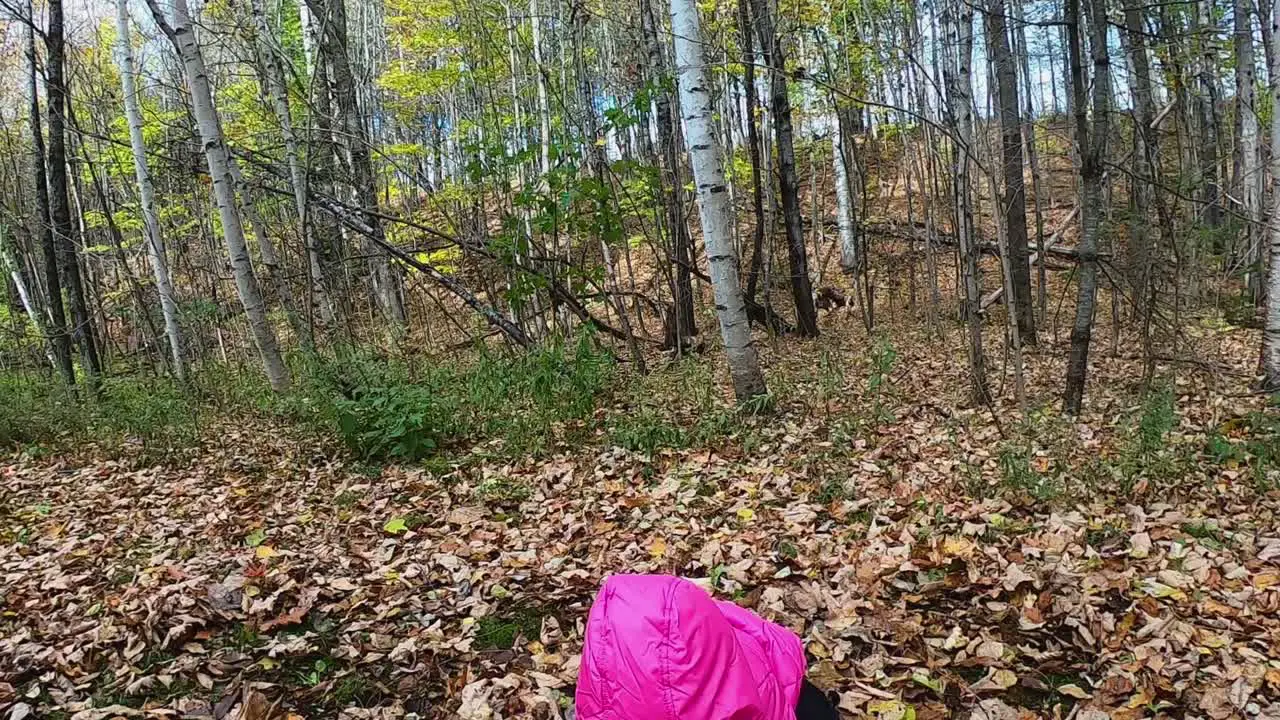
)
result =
(659, 648)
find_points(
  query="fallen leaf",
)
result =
(1073, 690)
(658, 548)
(1140, 545)
(996, 679)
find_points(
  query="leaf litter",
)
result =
(237, 585)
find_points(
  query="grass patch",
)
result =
(500, 632)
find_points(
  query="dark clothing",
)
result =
(814, 705)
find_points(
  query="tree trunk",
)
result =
(1013, 200)
(840, 148)
(1249, 180)
(544, 108)
(682, 289)
(59, 193)
(1092, 143)
(753, 146)
(1029, 138)
(332, 18)
(958, 21)
(276, 91)
(58, 336)
(789, 184)
(696, 105)
(182, 34)
(1271, 329)
(146, 193)
(1208, 111)
(9, 260)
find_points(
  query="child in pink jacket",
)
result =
(659, 648)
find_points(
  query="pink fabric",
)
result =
(659, 648)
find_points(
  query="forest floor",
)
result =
(935, 562)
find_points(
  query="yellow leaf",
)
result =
(265, 551)
(268, 663)
(658, 548)
(746, 514)
(1265, 580)
(1142, 697)
(891, 710)
(957, 547)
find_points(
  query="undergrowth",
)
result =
(382, 408)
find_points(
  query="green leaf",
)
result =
(923, 678)
(255, 538)
(395, 526)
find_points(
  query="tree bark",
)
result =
(1013, 200)
(59, 193)
(682, 289)
(58, 335)
(1248, 158)
(696, 105)
(182, 34)
(1092, 143)
(1271, 330)
(840, 147)
(789, 184)
(146, 193)
(958, 21)
(746, 33)
(332, 19)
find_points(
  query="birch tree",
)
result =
(696, 107)
(1271, 330)
(1248, 159)
(182, 34)
(957, 18)
(276, 90)
(146, 192)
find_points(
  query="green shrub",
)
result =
(392, 408)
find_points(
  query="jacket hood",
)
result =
(659, 648)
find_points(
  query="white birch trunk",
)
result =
(958, 19)
(544, 111)
(713, 201)
(308, 40)
(279, 98)
(1271, 331)
(1250, 159)
(146, 192)
(844, 203)
(182, 35)
(10, 263)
